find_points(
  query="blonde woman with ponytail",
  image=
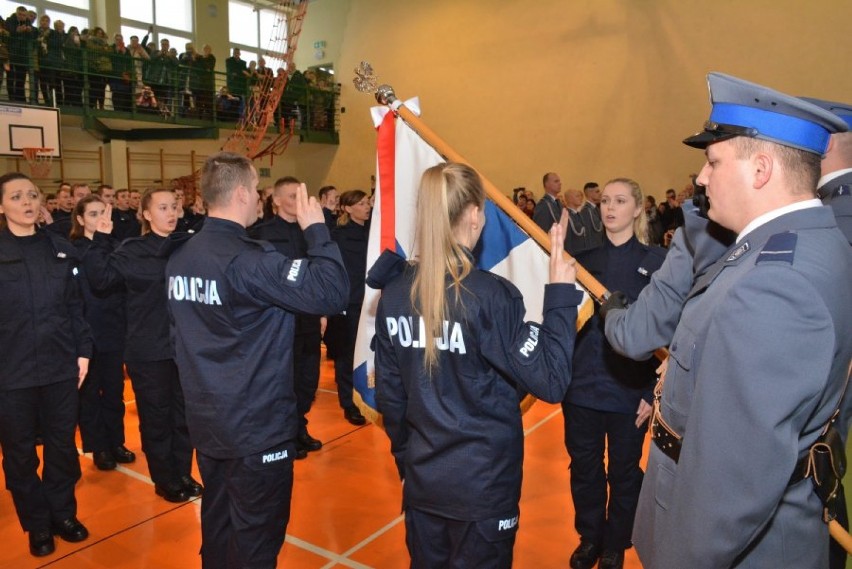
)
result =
(453, 352)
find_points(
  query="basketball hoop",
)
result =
(40, 161)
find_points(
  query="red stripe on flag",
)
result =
(387, 180)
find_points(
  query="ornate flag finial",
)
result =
(365, 79)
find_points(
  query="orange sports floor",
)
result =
(346, 505)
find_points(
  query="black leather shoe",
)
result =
(307, 442)
(70, 530)
(41, 543)
(172, 493)
(103, 460)
(585, 556)
(611, 560)
(191, 487)
(123, 455)
(354, 416)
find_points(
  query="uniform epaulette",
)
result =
(513, 290)
(780, 248)
(652, 260)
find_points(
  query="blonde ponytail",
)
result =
(446, 191)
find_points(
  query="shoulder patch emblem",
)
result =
(781, 247)
(738, 252)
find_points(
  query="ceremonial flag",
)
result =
(504, 248)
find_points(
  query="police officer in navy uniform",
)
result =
(351, 235)
(139, 265)
(232, 302)
(610, 396)
(449, 367)
(102, 394)
(45, 346)
(760, 355)
(285, 234)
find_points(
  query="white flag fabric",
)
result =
(504, 248)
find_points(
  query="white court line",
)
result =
(333, 391)
(535, 427)
(367, 540)
(123, 469)
(396, 521)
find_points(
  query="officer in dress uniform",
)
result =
(232, 301)
(45, 346)
(759, 357)
(453, 420)
(285, 234)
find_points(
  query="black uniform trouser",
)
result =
(605, 522)
(246, 508)
(435, 542)
(162, 420)
(51, 412)
(347, 328)
(306, 369)
(102, 403)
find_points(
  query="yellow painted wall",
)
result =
(589, 89)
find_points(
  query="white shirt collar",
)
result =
(770, 215)
(832, 175)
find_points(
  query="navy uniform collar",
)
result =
(223, 226)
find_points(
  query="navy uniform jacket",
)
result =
(289, 240)
(43, 331)
(125, 224)
(547, 212)
(137, 264)
(457, 435)
(232, 301)
(651, 319)
(603, 379)
(756, 368)
(104, 309)
(352, 240)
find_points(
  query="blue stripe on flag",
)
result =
(359, 382)
(500, 236)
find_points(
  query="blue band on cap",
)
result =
(784, 129)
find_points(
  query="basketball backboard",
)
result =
(23, 126)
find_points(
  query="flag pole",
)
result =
(386, 96)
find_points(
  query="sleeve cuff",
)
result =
(561, 295)
(317, 233)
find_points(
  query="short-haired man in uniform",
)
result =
(232, 302)
(759, 357)
(548, 210)
(285, 234)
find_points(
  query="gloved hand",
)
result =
(617, 299)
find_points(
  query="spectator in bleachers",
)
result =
(188, 79)
(147, 101)
(140, 59)
(206, 86)
(121, 78)
(236, 73)
(99, 60)
(161, 73)
(72, 52)
(50, 44)
(228, 107)
(22, 34)
(4, 51)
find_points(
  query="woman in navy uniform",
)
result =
(149, 355)
(351, 236)
(610, 395)
(452, 353)
(101, 397)
(45, 346)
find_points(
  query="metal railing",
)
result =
(183, 94)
